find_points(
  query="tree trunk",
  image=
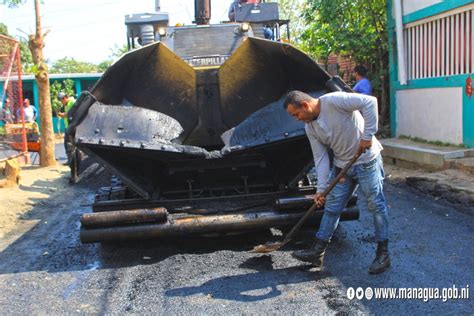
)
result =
(36, 44)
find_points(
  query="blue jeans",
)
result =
(370, 196)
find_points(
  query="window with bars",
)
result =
(441, 45)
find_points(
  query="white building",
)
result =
(431, 69)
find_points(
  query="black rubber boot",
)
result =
(382, 259)
(314, 255)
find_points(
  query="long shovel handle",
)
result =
(341, 174)
(333, 183)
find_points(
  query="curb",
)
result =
(438, 187)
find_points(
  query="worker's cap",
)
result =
(61, 95)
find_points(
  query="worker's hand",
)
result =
(61, 114)
(364, 145)
(319, 199)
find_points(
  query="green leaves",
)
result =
(70, 65)
(25, 53)
(34, 69)
(12, 3)
(355, 27)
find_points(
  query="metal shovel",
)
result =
(269, 247)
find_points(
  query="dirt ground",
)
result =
(36, 185)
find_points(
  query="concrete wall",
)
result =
(432, 114)
(410, 6)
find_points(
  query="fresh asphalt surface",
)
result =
(47, 270)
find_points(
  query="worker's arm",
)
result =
(35, 112)
(63, 110)
(321, 162)
(367, 105)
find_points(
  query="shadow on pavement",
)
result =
(251, 287)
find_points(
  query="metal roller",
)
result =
(202, 225)
(291, 203)
(106, 219)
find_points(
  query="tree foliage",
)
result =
(70, 65)
(292, 10)
(355, 27)
(351, 27)
(116, 52)
(12, 3)
(25, 54)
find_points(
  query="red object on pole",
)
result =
(20, 92)
(469, 86)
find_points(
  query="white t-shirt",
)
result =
(29, 114)
(340, 126)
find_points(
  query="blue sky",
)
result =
(86, 30)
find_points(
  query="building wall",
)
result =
(434, 104)
(424, 113)
(341, 65)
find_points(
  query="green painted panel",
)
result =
(468, 119)
(393, 65)
(439, 82)
(435, 9)
(36, 101)
(78, 87)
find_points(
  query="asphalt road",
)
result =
(45, 269)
